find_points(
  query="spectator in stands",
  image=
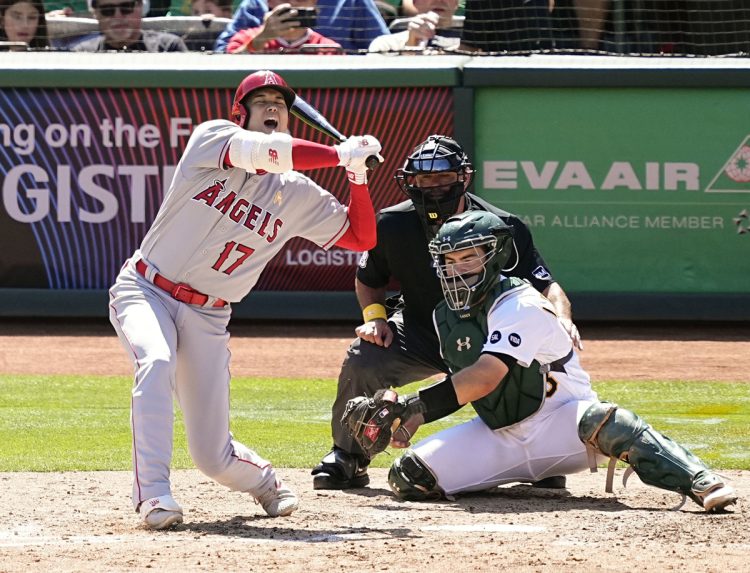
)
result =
(120, 24)
(592, 16)
(510, 25)
(280, 32)
(351, 23)
(399, 8)
(211, 8)
(23, 21)
(201, 38)
(431, 29)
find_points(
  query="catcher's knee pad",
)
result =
(411, 480)
(657, 460)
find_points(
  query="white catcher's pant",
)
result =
(472, 457)
(181, 349)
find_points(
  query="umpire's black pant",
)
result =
(414, 354)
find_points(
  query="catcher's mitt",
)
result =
(372, 421)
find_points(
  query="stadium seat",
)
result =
(198, 33)
(62, 27)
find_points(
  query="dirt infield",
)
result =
(84, 521)
(711, 352)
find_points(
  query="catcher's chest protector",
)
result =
(520, 394)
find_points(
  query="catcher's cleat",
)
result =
(340, 470)
(278, 500)
(551, 482)
(712, 492)
(160, 512)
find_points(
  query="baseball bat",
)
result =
(312, 117)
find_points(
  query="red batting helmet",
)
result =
(256, 81)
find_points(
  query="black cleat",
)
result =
(340, 470)
(552, 482)
(325, 480)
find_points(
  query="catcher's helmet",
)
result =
(437, 154)
(256, 81)
(492, 240)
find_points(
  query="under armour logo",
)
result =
(273, 156)
(466, 344)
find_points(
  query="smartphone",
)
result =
(307, 17)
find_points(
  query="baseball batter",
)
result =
(234, 202)
(513, 360)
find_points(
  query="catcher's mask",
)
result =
(435, 176)
(479, 244)
(255, 81)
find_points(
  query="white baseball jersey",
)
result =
(523, 324)
(471, 456)
(217, 228)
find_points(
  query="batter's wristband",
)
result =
(439, 398)
(373, 312)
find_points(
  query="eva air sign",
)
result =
(733, 177)
(624, 190)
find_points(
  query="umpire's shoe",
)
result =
(340, 470)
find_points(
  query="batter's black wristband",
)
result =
(439, 400)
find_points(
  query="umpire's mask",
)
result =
(435, 176)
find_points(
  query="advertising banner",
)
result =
(83, 172)
(625, 190)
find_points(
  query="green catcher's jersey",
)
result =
(521, 393)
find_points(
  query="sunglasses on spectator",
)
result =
(125, 8)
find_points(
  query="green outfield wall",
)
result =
(632, 173)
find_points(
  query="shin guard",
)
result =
(411, 479)
(658, 461)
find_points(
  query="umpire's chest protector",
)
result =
(520, 394)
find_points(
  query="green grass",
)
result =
(66, 423)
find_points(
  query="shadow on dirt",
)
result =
(252, 528)
(519, 498)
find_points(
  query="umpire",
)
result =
(397, 343)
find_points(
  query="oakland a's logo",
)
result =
(464, 344)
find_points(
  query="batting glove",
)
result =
(353, 154)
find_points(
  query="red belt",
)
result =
(178, 291)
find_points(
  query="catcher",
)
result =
(513, 360)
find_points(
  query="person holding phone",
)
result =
(287, 27)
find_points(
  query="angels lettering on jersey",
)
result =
(241, 211)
